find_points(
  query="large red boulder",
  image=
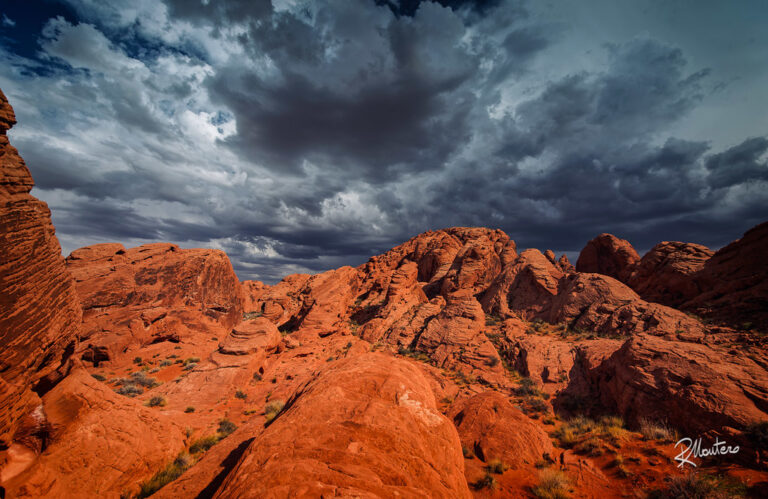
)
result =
(492, 428)
(367, 426)
(607, 254)
(665, 274)
(93, 442)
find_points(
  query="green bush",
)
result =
(141, 379)
(487, 482)
(226, 427)
(165, 476)
(189, 409)
(156, 401)
(496, 466)
(130, 390)
(241, 395)
(203, 444)
(272, 409)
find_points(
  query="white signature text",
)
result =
(692, 449)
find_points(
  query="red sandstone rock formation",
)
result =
(39, 310)
(492, 429)
(664, 274)
(458, 318)
(149, 294)
(94, 442)
(607, 254)
(697, 388)
(376, 422)
(734, 282)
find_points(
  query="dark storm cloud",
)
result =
(300, 136)
(395, 95)
(739, 164)
(593, 137)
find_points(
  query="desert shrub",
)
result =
(527, 387)
(612, 422)
(130, 390)
(137, 360)
(553, 484)
(190, 366)
(496, 466)
(189, 409)
(98, 377)
(701, 486)
(689, 486)
(203, 444)
(241, 395)
(156, 401)
(487, 482)
(256, 376)
(141, 379)
(492, 319)
(590, 446)
(226, 427)
(656, 430)
(191, 360)
(166, 363)
(165, 476)
(272, 409)
(535, 405)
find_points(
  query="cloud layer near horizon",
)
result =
(299, 137)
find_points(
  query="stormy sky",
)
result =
(299, 136)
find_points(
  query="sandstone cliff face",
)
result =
(733, 283)
(39, 309)
(694, 388)
(152, 293)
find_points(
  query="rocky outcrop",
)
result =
(93, 442)
(376, 422)
(39, 309)
(251, 336)
(608, 255)
(151, 293)
(493, 429)
(665, 274)
(696, 388)
(600, 304)
(525, 288)
(734, 283)
(317, 305)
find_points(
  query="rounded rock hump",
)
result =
(608, 255)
